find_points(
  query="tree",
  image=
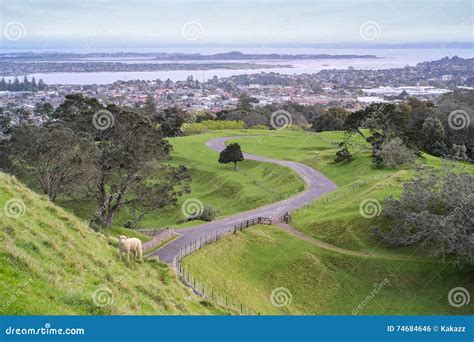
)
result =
(433, 136)
(344, 154)
(51, 158)
(231, 154)
(436, 210)
(130, 160)
(331, 120)
(150, 106)
(255, 119)
(44, 111)
(171, 120)
(245, 102)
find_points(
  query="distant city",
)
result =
(349, 88)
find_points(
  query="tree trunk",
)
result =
(235, 166)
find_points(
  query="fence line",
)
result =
(252, 222)
(206, 291)
(153, 232)
(159, 237)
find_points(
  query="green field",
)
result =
(248, 266)
(52, 263)
(216, 185)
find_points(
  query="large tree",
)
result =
(130, 161)
(51, 158)
(231, 154)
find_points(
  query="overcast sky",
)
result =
(148, 22)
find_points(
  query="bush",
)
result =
(435, 210)
(259, 127)
(208, 214)
(395, 153)
(211, 125)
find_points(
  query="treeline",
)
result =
(24, 85)
(116, 156)
(399, 132)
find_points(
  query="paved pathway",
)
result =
(316, 186)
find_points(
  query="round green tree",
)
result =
(231, 154)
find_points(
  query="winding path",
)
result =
(316, 186)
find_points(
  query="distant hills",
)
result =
(236, 55)
(174, 56)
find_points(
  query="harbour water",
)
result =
(387, 58)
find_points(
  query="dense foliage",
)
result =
(116, 155)
(435, 210)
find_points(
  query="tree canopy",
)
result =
(231, 154)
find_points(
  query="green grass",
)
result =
(249, 265)
(52, 263)
(327, 282)
(336, 218)
(217, 185)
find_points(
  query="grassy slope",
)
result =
(52, 262)
(249, 265)
(214, 184)
(335, 219)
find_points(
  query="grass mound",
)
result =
(52, 263)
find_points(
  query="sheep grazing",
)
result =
(127, 245)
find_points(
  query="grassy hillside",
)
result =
(249, 265)
(336, 217)
(214, 184)
(52, 263)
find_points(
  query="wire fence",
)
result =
(204, 289)
(158, 237)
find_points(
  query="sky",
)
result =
(143, 23)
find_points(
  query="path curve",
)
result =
(317, 185)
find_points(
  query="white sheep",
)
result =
(127, 245)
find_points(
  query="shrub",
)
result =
(394, 153)
(211, 125)
(208, 214)
(436, 210)
(259, 127)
